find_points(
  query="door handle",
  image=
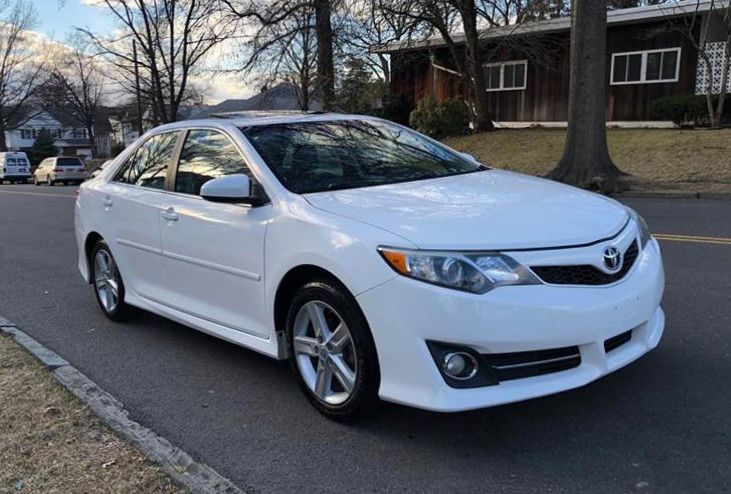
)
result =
(107, 202)
(169, 214)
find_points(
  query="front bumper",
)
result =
(403, 314)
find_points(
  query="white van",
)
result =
(14, 167)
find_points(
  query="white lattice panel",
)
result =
(716, 51)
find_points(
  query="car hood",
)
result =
(493, 209)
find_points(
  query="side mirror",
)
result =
(230, 188)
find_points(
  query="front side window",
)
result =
(148, 165)
(645, 66)
(504, 76)
(206, 155)
(330, 155)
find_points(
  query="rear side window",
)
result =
(148, 165)
(206, 155)
(71, 162)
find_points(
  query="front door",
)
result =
(130, 206)
(213, 252)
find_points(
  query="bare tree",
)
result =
(21, 66)
(285, 50)
(268, 15)
(708, 30)
(76, 86)
(370, 24)
(173, 38)
(586, 162)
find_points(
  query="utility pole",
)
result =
(137, 88)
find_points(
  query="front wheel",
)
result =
(332, 351)
(108, 284)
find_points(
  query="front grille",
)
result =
(617, 341)
(586, 274)
(517, 365)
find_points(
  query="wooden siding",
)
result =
(545, 97)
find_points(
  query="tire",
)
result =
(355, 349)
(36, 182)
(110, 299)
(49, 182)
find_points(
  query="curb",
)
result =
(176, 463)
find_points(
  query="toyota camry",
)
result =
(380, 263)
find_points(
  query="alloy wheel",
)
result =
(325, 352)
(106, 280)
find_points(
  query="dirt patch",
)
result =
(657, 160)
(51, 442)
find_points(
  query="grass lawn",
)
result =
(50, 442)
(662, 160)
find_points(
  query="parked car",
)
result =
(14, 167)
(379, 262)
(61, 169)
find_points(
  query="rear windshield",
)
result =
(16, 161)
(68, 162)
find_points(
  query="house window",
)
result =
(646, 67)
(505, 76)
(26, 134)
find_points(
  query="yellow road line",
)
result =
(693, 239)
(34, 194)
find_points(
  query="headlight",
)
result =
(476, 273)
(645, 233)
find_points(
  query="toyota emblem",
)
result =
(612, 258)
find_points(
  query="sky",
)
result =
(59, 18)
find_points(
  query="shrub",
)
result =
(446, 118)
(685, 110)
(454, 118)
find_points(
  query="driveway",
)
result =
(661, 424)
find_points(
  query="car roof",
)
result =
(253, 118)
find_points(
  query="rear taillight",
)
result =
(58, 170)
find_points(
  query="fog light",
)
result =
(459, 365)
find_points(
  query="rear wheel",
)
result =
(332, 352)
(108, 284)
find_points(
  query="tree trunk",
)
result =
(586, 162)
(325, 64)
(92, 144)
(479, 116)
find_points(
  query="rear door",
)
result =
(213, 252)
(131, 204)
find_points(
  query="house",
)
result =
(70, 138)
(284, 96)
(527, 74)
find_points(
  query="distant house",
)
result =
(644, 61)
(71, 139)
(284, 96)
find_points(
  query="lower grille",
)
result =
(587, 274)
(518, 365)
(617, 341)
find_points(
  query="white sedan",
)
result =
(379, 262)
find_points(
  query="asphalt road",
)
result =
(661, 424)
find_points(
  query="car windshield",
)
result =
(345, 154)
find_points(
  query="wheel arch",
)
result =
(91, 240)
(293, 279)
